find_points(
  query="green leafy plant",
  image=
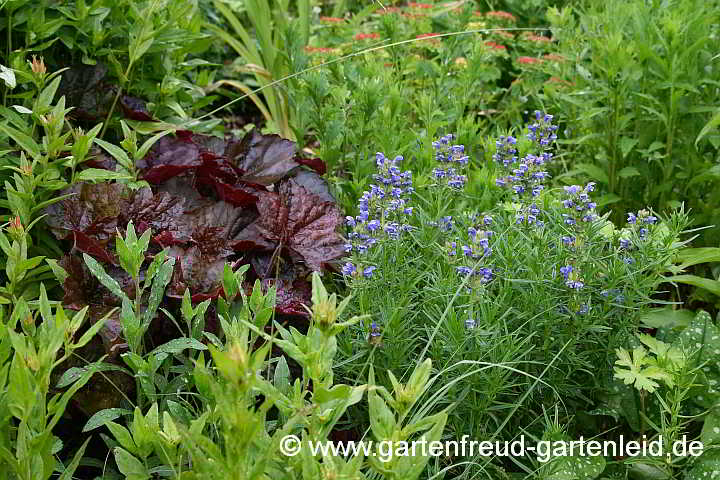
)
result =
(640, 102)
(34, 342)
(264, 62)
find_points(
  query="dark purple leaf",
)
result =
(314, 184)
(92, 247)
(85, 90)
(112, 331)
(169, 157)
(290, 297)
(315, 163)
(159, 212)
(78, 284)
(296, 221)
(93, 209)
(98, 158)
(264, 159)
(135, 109)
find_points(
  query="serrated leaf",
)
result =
(628, 172)
(593, 171)
(626, 145)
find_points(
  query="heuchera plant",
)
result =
(248, 202)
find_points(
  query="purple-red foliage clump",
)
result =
(211, 201)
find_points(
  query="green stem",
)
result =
(114, 102)
(9, 50)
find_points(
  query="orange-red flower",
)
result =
(310, 49)
(496, 46)
(386, 10)
(503, 15)
(38, 66)
(560, 81)
(554, 57)
(537, 38)
(332, 19)
(429, 36)
(528, 60)
(419, 5)
(365, 36)
(504, 34)
(16, 223)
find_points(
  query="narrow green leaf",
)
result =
(99, 272)
(46, 96)
(713, 123)
(67, 474)
(24, 141)
(708, 284)
(157, 291)
(117, 153)
(178, 345)
(104, 416)
(99, 174)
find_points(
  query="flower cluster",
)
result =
(641, 220)
(571, 277)
(639, 224)
(475, 249)
(495, 45)
(367, 36)
(529, 215)
(383, 212)
(526, 176)
(445, 224)
(577, 201)
(542, 131)
(454, 157)
(375, 335)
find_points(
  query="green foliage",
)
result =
(261, 56)
(641, 102)
(34, 342)
(145, 44)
